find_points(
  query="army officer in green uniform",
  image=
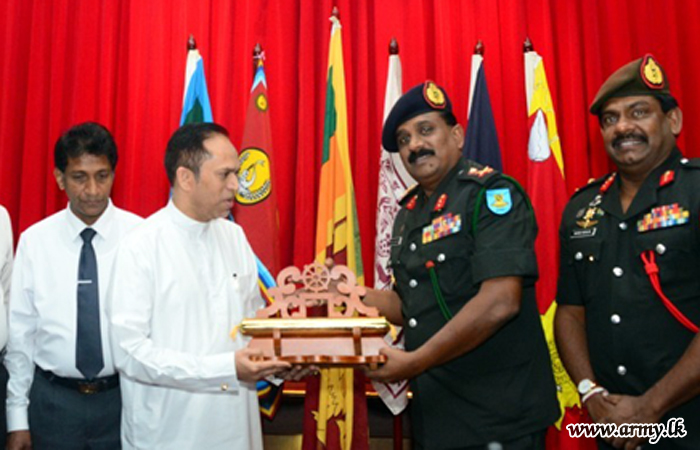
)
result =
(629, 287)
(464, 266)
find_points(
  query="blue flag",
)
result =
(195, 105)
(481, 142)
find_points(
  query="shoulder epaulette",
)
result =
(692, 163)
(410, 191)
(478, 173)
(592, 183)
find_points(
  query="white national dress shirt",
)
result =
(189, 284)
(43, 304)
(5, 271)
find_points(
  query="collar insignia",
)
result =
(666, 178)
(412, 203)
(440, 203)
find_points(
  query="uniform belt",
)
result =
(83, 386)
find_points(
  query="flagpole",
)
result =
(398, 418)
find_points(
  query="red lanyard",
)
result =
(649, 259)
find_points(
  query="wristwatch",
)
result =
(585, 386)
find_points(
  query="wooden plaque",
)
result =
(317, 317)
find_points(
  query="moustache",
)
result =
(640, 137)
(420, 153)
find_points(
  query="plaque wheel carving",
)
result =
(316, 277)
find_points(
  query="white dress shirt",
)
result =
(43, 305)
(189, 284)
(5, 271)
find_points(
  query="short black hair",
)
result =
(667, 101)
(86, 138)
(449, 118)
(186, 147)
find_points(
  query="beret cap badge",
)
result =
(434, 95)
(651, 73)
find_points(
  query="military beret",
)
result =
(643, 76)
(420, 99)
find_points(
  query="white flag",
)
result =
(393, 182)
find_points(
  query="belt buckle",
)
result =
(88, 388)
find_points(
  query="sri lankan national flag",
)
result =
(335, 410)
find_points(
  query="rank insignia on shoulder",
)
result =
(499, 201)
(479, 173)
(442, 226)
(663, 217)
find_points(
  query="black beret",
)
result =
(420, 99)
(643, 76)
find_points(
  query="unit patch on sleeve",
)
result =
(442, 226)
(499, 201)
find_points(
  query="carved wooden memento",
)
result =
(318, 317)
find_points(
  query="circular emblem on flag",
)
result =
(651, 73)
(261, 102)
(434, 95)
(254, 178)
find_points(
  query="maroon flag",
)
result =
(256, 202)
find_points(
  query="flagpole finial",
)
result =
(479, 48)
(527, 45)
(258, 56)
(191, 43)
(257, 51)
(335, 13)
(393, 47)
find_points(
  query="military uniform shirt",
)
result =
(504, 388)
(633, 339)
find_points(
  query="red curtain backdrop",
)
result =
(122, 62)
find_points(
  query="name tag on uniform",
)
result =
(442, 226)
(395, 241)
(584, 233)
(663, 217)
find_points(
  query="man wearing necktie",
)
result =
(63, 391)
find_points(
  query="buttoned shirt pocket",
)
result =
(672, 252)
(450, 255)
(584, 256)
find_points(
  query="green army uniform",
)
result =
(477, 225)
(633, 340)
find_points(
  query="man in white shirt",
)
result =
(187, 383)
(63, 391)
(5, 275)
